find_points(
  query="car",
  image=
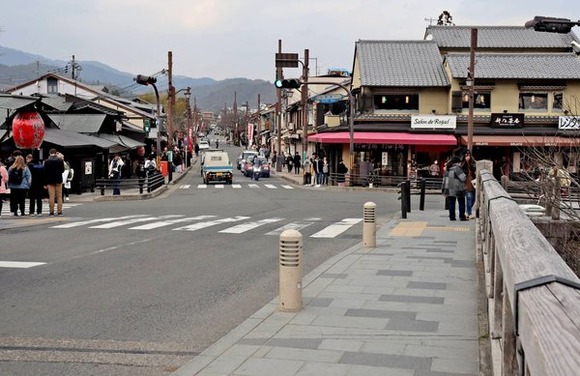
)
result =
(248, 168)
(244, 155)
(203, 144)
(216, 167)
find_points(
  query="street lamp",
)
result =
(150, 80)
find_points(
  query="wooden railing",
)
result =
(534, 297)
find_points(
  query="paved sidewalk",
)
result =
(407, 307)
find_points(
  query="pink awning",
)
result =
(384, 138)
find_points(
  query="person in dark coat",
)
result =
(53, 169)
(341, 171)
(453, 188)
(37, 190)
(297, 163)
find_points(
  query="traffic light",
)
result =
(292, 83)
(551, 24)
(145, 80)
(147, 125)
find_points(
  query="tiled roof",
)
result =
(15, 102)
(498, 37)
(517, 66)
(81, 123)
(400, 63)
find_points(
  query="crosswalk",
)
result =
(234, 225)
(237, 186)
(65, 205)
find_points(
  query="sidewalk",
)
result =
(405, 308)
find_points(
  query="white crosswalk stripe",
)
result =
(65, 205)
(271, 186)
(19, 264)
(253, 186)
(336, 229)
(287, 187)
(185, 186)
(202, 186)
(315, 225)
(236, 186)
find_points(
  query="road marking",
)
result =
(337, 228)
(271, 186)
(134, 220)
(20, 264)
(91, 221)
(219, 186)
(238, 229)
(202, 186)
(184, 186)
(200, 225)
(236, 186)
(410, 228)
(253, 186)
(290, 226)
(288, 187)
(150, 226)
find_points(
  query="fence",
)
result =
(147, 184)
(384, 181)
(534, 297)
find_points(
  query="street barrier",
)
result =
(149, 183)
(369, 225)
(290, 271)
(403, 193)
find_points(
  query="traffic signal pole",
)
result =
(304, 100)
(279, 76)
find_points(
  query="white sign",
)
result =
(433, 121)
(385, 161)
(88, 168)
(571, 123)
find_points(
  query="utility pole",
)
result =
(236, 127)
(304, 100)
(471, 83)
(171, 109)
(279, 76)
(259, 123)
(189, 146)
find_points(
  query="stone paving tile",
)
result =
(323, 369)
(396, 273)
(341, 344)
(306, 355)
(319, 302)
(426, 285)
(385, 360)
(453, 366)
(412, 299)
(333, 275)
(268, 367)
(464, 350)
(350, 322)
(298, 343)
(375, 313)
(406, 325)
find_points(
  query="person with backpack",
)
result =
(19, 181)
(453, 188)
(37, 190)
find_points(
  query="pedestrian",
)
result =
(319, 166)
(325, 171)
(341, 171)
(177, 160)
(307, 172)
(115, 168)
(274, 155)
(196, 149)
(3, 184)
(53, 169)
(37, 189)
(468, 165)
(289, 162)
(19, 180)
(297, 162)
(67, 177)
(434, 169)
(150, 165)
(453, 188)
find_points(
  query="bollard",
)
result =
(422, 196)
(370, 225)
(290, 271)
(408, 195)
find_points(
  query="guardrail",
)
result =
(384, 181)
(147, 184)
(534, 297)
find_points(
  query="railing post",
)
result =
(422, 196)
(403, 192)
(408, 195)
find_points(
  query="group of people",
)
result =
(316, 169)
(458, 186)
(24, 177)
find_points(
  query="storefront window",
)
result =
(558, 104)
(533, 102)
(397, 102)
(481, 101)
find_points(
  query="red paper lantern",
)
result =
(141, 151)
(28, 130)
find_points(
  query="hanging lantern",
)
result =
(28, 130)
(141, 151)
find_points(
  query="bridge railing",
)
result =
(533, 296)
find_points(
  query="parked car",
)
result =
(244, 155)
(203, 144)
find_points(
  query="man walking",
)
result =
(53, 169)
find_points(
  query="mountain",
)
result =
(17, 67)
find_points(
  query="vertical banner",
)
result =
(250, 134)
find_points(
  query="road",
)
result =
(140, 287)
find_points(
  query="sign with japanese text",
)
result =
(504, 120)
(433, 121)
(250, 134)
(569, 123)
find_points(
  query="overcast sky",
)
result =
(238, 38)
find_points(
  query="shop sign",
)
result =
(569, 123)
(433, 122)
(503, 120)
(369, 147)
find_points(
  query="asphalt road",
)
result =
(143, 294)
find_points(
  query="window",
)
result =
(558, 103)
(481, 101)
(533, 102)
(397, 102)
(51, 85)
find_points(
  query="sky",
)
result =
(224, 39)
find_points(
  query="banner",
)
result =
(250, 134)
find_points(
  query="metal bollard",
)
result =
(370, 225)
(290, 271)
